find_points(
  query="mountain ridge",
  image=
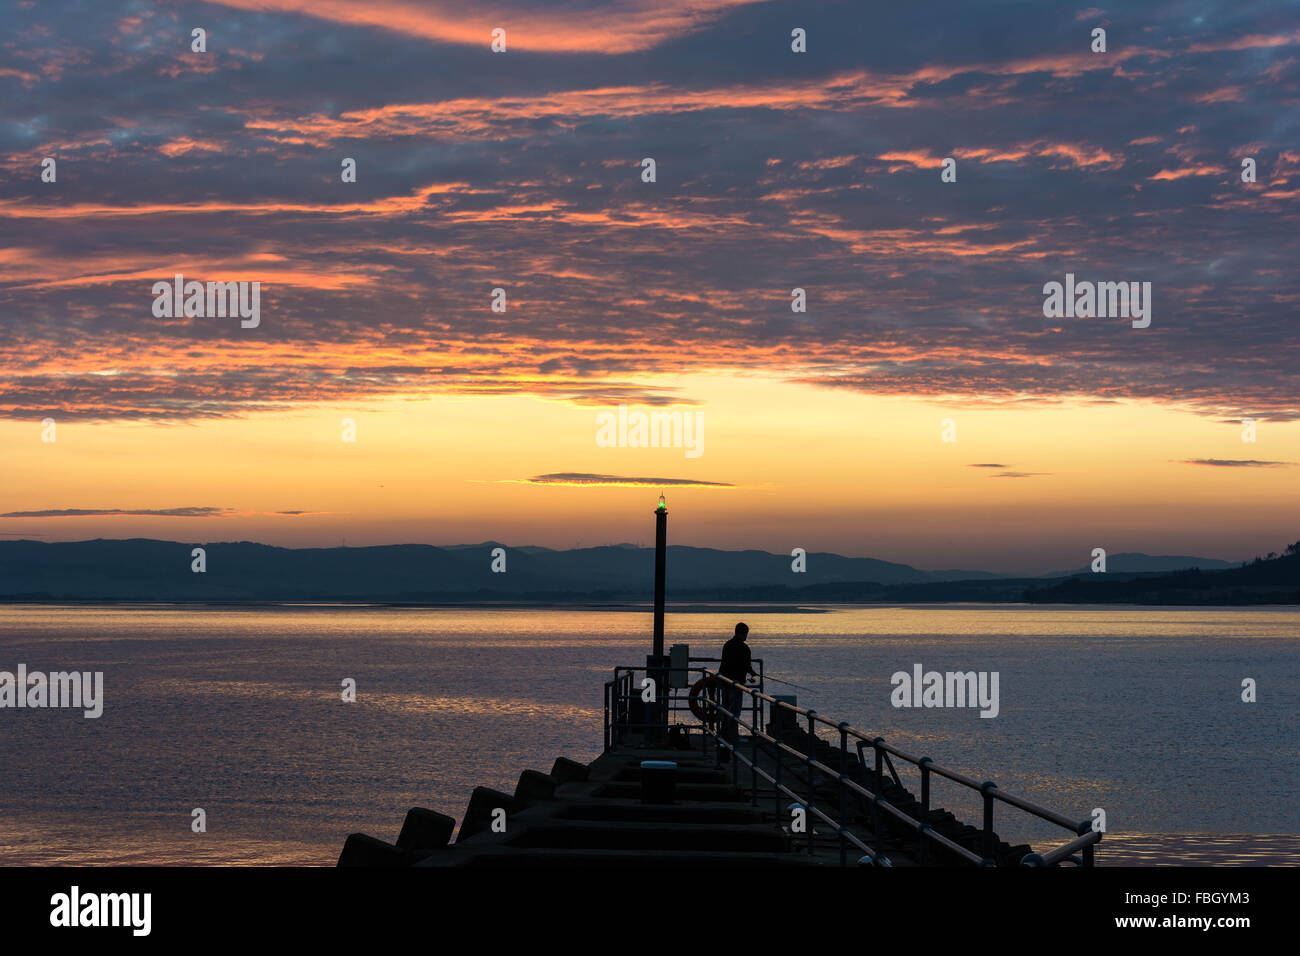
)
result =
(151, 569)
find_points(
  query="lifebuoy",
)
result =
(700, 705)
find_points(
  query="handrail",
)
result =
(932, 767)
(1085, 843)
(1086, 839)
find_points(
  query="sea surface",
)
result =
(238, 711)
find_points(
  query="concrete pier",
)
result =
(599, 814)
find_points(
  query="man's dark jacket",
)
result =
(735, 660)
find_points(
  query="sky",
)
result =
(921, 408)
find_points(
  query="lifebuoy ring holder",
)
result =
(699, 703)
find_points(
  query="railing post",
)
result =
(615, 734)
(776, 784)
(924, 764)
(753, 752)
(876, 824)
(1085, 826)
(812, 785)
(990, 845)
(844, 791)
(624, 702)
(735, 747)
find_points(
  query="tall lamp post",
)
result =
(657, 662)
(661, 549)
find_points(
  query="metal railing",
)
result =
(621, 692)
(619, 695)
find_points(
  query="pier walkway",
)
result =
(658, 797)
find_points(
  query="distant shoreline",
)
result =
(693, 608)
(698, 607)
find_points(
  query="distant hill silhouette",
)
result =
(141, 569)
(150, 570)
(1275, 580)
(1127, 562)
(1272, 580)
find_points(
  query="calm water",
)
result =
(238, 711)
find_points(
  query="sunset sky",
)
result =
(522, 170)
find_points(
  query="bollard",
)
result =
(658, 781)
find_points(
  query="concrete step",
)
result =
(648, 813)
(640, 860)
(657, 836)
(703, 792)
(684, 775)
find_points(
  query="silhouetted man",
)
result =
(736, 665)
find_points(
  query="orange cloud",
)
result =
(624, 26)
(18, 209)
(1188, 171)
